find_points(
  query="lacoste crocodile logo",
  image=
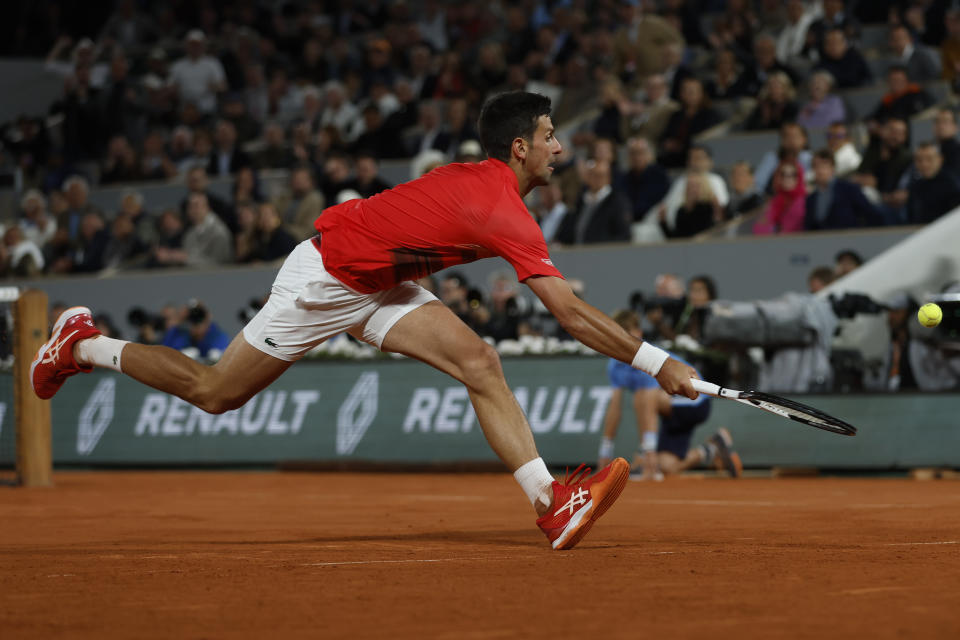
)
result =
(270, 342)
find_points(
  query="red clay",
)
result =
(278, 555)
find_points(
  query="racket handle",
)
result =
(702, 386)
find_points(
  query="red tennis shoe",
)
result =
(54, 362)
(579, 501)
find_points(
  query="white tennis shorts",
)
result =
(307, 305)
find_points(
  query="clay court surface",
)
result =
(338, 555)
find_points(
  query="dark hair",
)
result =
(898, 68)
(197, 313)
(824, 274)
(825, 154)
(708, 284)
(508, 116)
(848, 253)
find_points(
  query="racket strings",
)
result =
(801, 413)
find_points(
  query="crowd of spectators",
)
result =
(185, 93)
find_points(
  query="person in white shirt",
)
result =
(845, 154)
(84, 54)
(699, 161)
(197, 78)
(793, 37)
(37, 224)
(339, 112)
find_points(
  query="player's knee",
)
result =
(668, 464)
(481, 364)
(215, 398)
(220, 403)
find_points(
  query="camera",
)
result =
(140, 317)
(947, 334)
(642, 304)
(850, 304)
(247, 313)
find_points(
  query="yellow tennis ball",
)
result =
(930, 315)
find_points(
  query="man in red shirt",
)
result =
(358, 276)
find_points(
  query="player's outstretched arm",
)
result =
(598, 331)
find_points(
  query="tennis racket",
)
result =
(781, 406)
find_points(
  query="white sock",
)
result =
(101, 352)
(606, 448)
(650, 441)
(535, 481)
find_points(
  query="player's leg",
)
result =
(611, 421)
(648, 405)
(76, 346)
(671, 464)
(678, 419)
(241, 373)
(432, 334)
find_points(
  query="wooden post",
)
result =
(32, 415)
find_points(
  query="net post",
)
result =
(32, 415)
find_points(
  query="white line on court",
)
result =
(414, 561)
(439, 498)
(914, 544)
(868, 590)
(725, 503)
(436, 560)
(770, 503)
(890, 505)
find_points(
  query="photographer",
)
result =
(918, 358)
(198, 332)
(150, 327)
(507, 308)
(662, 311)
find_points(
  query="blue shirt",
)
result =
(623, 376)
(179, 338)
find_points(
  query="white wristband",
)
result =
(649, 358)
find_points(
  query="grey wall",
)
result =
(26, 88)
(743, 268)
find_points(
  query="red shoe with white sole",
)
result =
(579, 501)
(54, 362)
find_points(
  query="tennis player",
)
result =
(665, 423)
(358, 276)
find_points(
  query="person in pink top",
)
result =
(787, 207)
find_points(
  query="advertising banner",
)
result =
(405, 412)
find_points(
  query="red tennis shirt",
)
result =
(455, 214)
